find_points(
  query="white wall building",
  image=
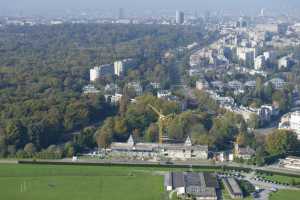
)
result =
(235, 85)
(121, 66)
(291, 121)
(283, 62)
(90, 89)
(178, 151)
(295, 122)
(102, 70)
(259, 62)
(278, 83)
(202, 85)
(247, 55)
(270, 27)
(265, 113)
(270, 56)
(155, 85)
(136, 86)
(114, 99)
(163, 94)
(199, 186)
(118, 68)
(94, 74)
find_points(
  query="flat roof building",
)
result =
(198, 185)
(233, 188)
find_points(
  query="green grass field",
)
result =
(285, 195)
(46, 182)
(282, 179)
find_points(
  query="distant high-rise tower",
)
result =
(207, 16)
(242, 22)
(196, 14)
(121, 13)
(262, 12)
(179, 17)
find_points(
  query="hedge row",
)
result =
(160, 165)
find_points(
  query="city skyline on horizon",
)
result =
(32, 7)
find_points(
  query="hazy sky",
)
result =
(38, 6)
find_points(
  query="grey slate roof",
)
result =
(211, 180)
(233, 186)
(132, 146)
(246, 151)
(168, 180)
(177, 179)
(193, 179)
(196, 184)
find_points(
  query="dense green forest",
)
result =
(43, 70)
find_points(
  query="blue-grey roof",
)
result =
(177, 179)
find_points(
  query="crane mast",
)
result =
(162, 120)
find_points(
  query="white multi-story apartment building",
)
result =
(291, 121)
(259, 62)
(118, 68)
(102, 70)
(270, 56)
(94, 74)
(283, 62)
(247, 55)
(295, 123)
(278, 83)
(270, 27)
(122, 66)
(137, 87)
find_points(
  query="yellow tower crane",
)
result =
(162, 122)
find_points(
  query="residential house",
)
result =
(202, 85)
(245, 153)
(90, 89)
(278, 83)
(136, 86)
(284, 62)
